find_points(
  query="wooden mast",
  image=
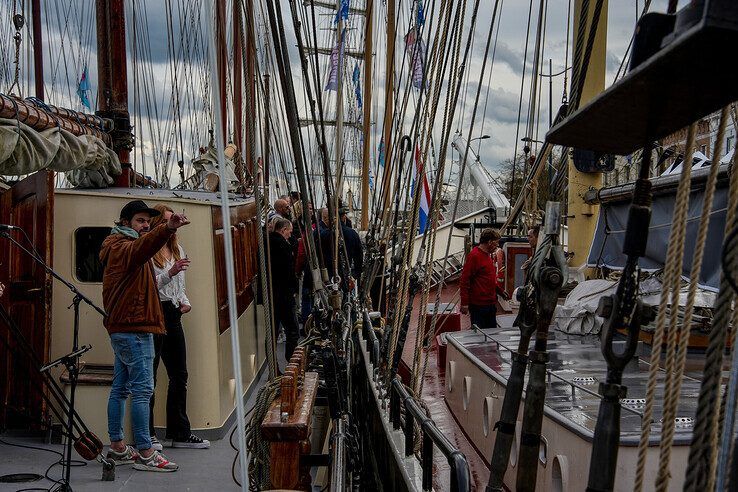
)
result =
(237, 89)
(582, 217)
(38, 50)
(220, 34)
(368, 34)
(388, 105)
(113, 81)
(250, 85)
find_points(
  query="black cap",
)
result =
(137, 207)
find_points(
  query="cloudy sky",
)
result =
(169, 76)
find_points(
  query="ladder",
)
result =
(454, 264)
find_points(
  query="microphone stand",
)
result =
(71, 360)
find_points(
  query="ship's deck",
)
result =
(576, 367)
(571, 357)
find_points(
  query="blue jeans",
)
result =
(133, 375)
(483, 316)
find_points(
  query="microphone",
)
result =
(6, 227)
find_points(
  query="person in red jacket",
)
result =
(479, 286)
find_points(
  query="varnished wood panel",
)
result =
(243, 231)
(29, 205)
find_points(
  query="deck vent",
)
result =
(683, 422)
(633, 402)
(584, 381)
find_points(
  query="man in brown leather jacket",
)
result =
(131, 299)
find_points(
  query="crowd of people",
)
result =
(291, 275)
(144, 294)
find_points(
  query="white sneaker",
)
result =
(157, 462)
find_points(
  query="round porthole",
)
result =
(450, 375)
(466, 389)
(488, 413)
(560, 474)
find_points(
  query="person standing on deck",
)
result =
(170, 263)
(284, 283)
(131, 299)
(533, 241)
(478, 285)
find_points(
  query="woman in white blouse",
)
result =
(170, 264)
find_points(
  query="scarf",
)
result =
(125, 231)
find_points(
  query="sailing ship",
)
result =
(390, 387)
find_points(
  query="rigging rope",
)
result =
(670, 295)
(702, 453)
(677, 341)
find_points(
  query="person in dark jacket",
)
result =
(353, 245)
(478, 284)
(284, 283)
(131, 299)
(351, 240)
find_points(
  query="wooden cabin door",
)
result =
(28, 204)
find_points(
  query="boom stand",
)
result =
(70, 361)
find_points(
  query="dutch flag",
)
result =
(419, 169)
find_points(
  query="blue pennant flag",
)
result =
(357, 85)
(83, 88)
(342, 12)
(421, 15)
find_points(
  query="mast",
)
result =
(268, 135)
(582, 216)
(237, 89)
(113, 81)
(368, 34)
(339, 107)
(220, 26)
(38, 49)
(388, 106)
(250, 85)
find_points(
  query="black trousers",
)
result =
(285, 313)
(171, 348)
(483, 316)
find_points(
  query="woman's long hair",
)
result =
(159, 259)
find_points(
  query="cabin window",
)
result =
(87, 244)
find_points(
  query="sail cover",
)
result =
(89, 163)
(607, 246)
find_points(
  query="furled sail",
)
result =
(89, 163)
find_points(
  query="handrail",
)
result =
(460, 477)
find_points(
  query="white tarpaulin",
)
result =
(577, 315)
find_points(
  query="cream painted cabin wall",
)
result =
(211, 386)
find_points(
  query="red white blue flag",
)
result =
(425, 198)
